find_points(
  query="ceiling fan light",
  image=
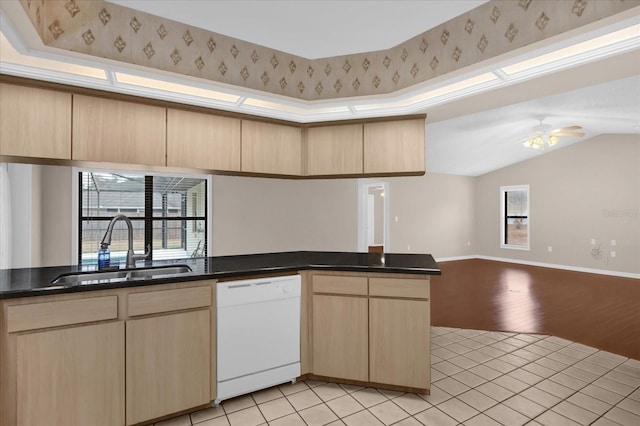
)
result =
(537, 142)
(528, 143)
(552, 140)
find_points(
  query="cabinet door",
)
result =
(340, 340)
(394, 147)
(168, 363)
(118, 132)
(271, 148)
(334, 150)
(400, 342)
(202, 141)
(72, 376)
(35, 122)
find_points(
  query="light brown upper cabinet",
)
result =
(394, 146)
(118, 132)
(334, 150)
(202, 141)
(35, 122)
(271, 148)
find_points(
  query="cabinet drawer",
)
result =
(339, 284)
(399, 287)
(153, 302)
(64, 312)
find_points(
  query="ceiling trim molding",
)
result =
(113, 32)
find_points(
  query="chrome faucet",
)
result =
(131, 256)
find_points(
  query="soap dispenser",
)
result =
(104, 256)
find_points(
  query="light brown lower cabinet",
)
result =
(372, 329)
(71, 376)
(399, 342)
(168, 363)
(340, 337)
(116, 357)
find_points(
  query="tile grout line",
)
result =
(606, 365)
(531, 386)
(548, 378)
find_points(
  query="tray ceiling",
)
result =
(111, 31)
(311, 29)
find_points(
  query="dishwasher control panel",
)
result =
(258, 290)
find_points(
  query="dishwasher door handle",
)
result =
(234, 286)
(231, 287)
(232, 293)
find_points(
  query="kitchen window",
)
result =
(515, 221)
(168, 214)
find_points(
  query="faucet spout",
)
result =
(131, 256)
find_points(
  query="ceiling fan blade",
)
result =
(563, 129)
(577, 134)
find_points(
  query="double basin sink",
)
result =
(122, 275)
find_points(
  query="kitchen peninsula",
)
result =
(364, 319)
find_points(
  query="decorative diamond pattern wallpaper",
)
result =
(106, 30)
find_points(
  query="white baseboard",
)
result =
(452, 258)
(541, 264)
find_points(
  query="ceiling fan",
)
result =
(545, 133)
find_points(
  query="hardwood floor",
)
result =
(596, 310)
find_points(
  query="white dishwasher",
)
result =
(258, 334)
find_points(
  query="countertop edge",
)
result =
(215, 275)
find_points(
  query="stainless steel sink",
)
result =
(122, 275)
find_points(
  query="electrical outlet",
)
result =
(613, 254)
(408, 247)
(593, 241)
(613, 243)
(549, 249)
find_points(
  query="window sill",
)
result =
(513, 247)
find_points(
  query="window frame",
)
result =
(503, 217)
(76, 194)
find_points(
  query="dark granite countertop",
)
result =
(37, 281)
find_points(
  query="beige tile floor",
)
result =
(478, 378)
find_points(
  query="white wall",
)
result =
(25, 182)
(56, 212)
(254, 215)
(589, 190)
(435, 215)
(257, 215)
